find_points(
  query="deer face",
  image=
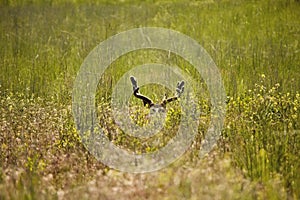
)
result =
(157, 108)
(157, 113)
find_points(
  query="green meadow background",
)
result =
(255, 45)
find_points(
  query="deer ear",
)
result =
(164, 105)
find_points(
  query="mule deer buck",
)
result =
(156, 107)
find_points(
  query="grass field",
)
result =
(255, 44)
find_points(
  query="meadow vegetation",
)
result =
(255, 45)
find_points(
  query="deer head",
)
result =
(156, 107)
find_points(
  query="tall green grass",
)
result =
(43, 46)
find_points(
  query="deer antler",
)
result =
(146, 100)
(179, 91)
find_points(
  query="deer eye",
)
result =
(152, 110)
(162, 110)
